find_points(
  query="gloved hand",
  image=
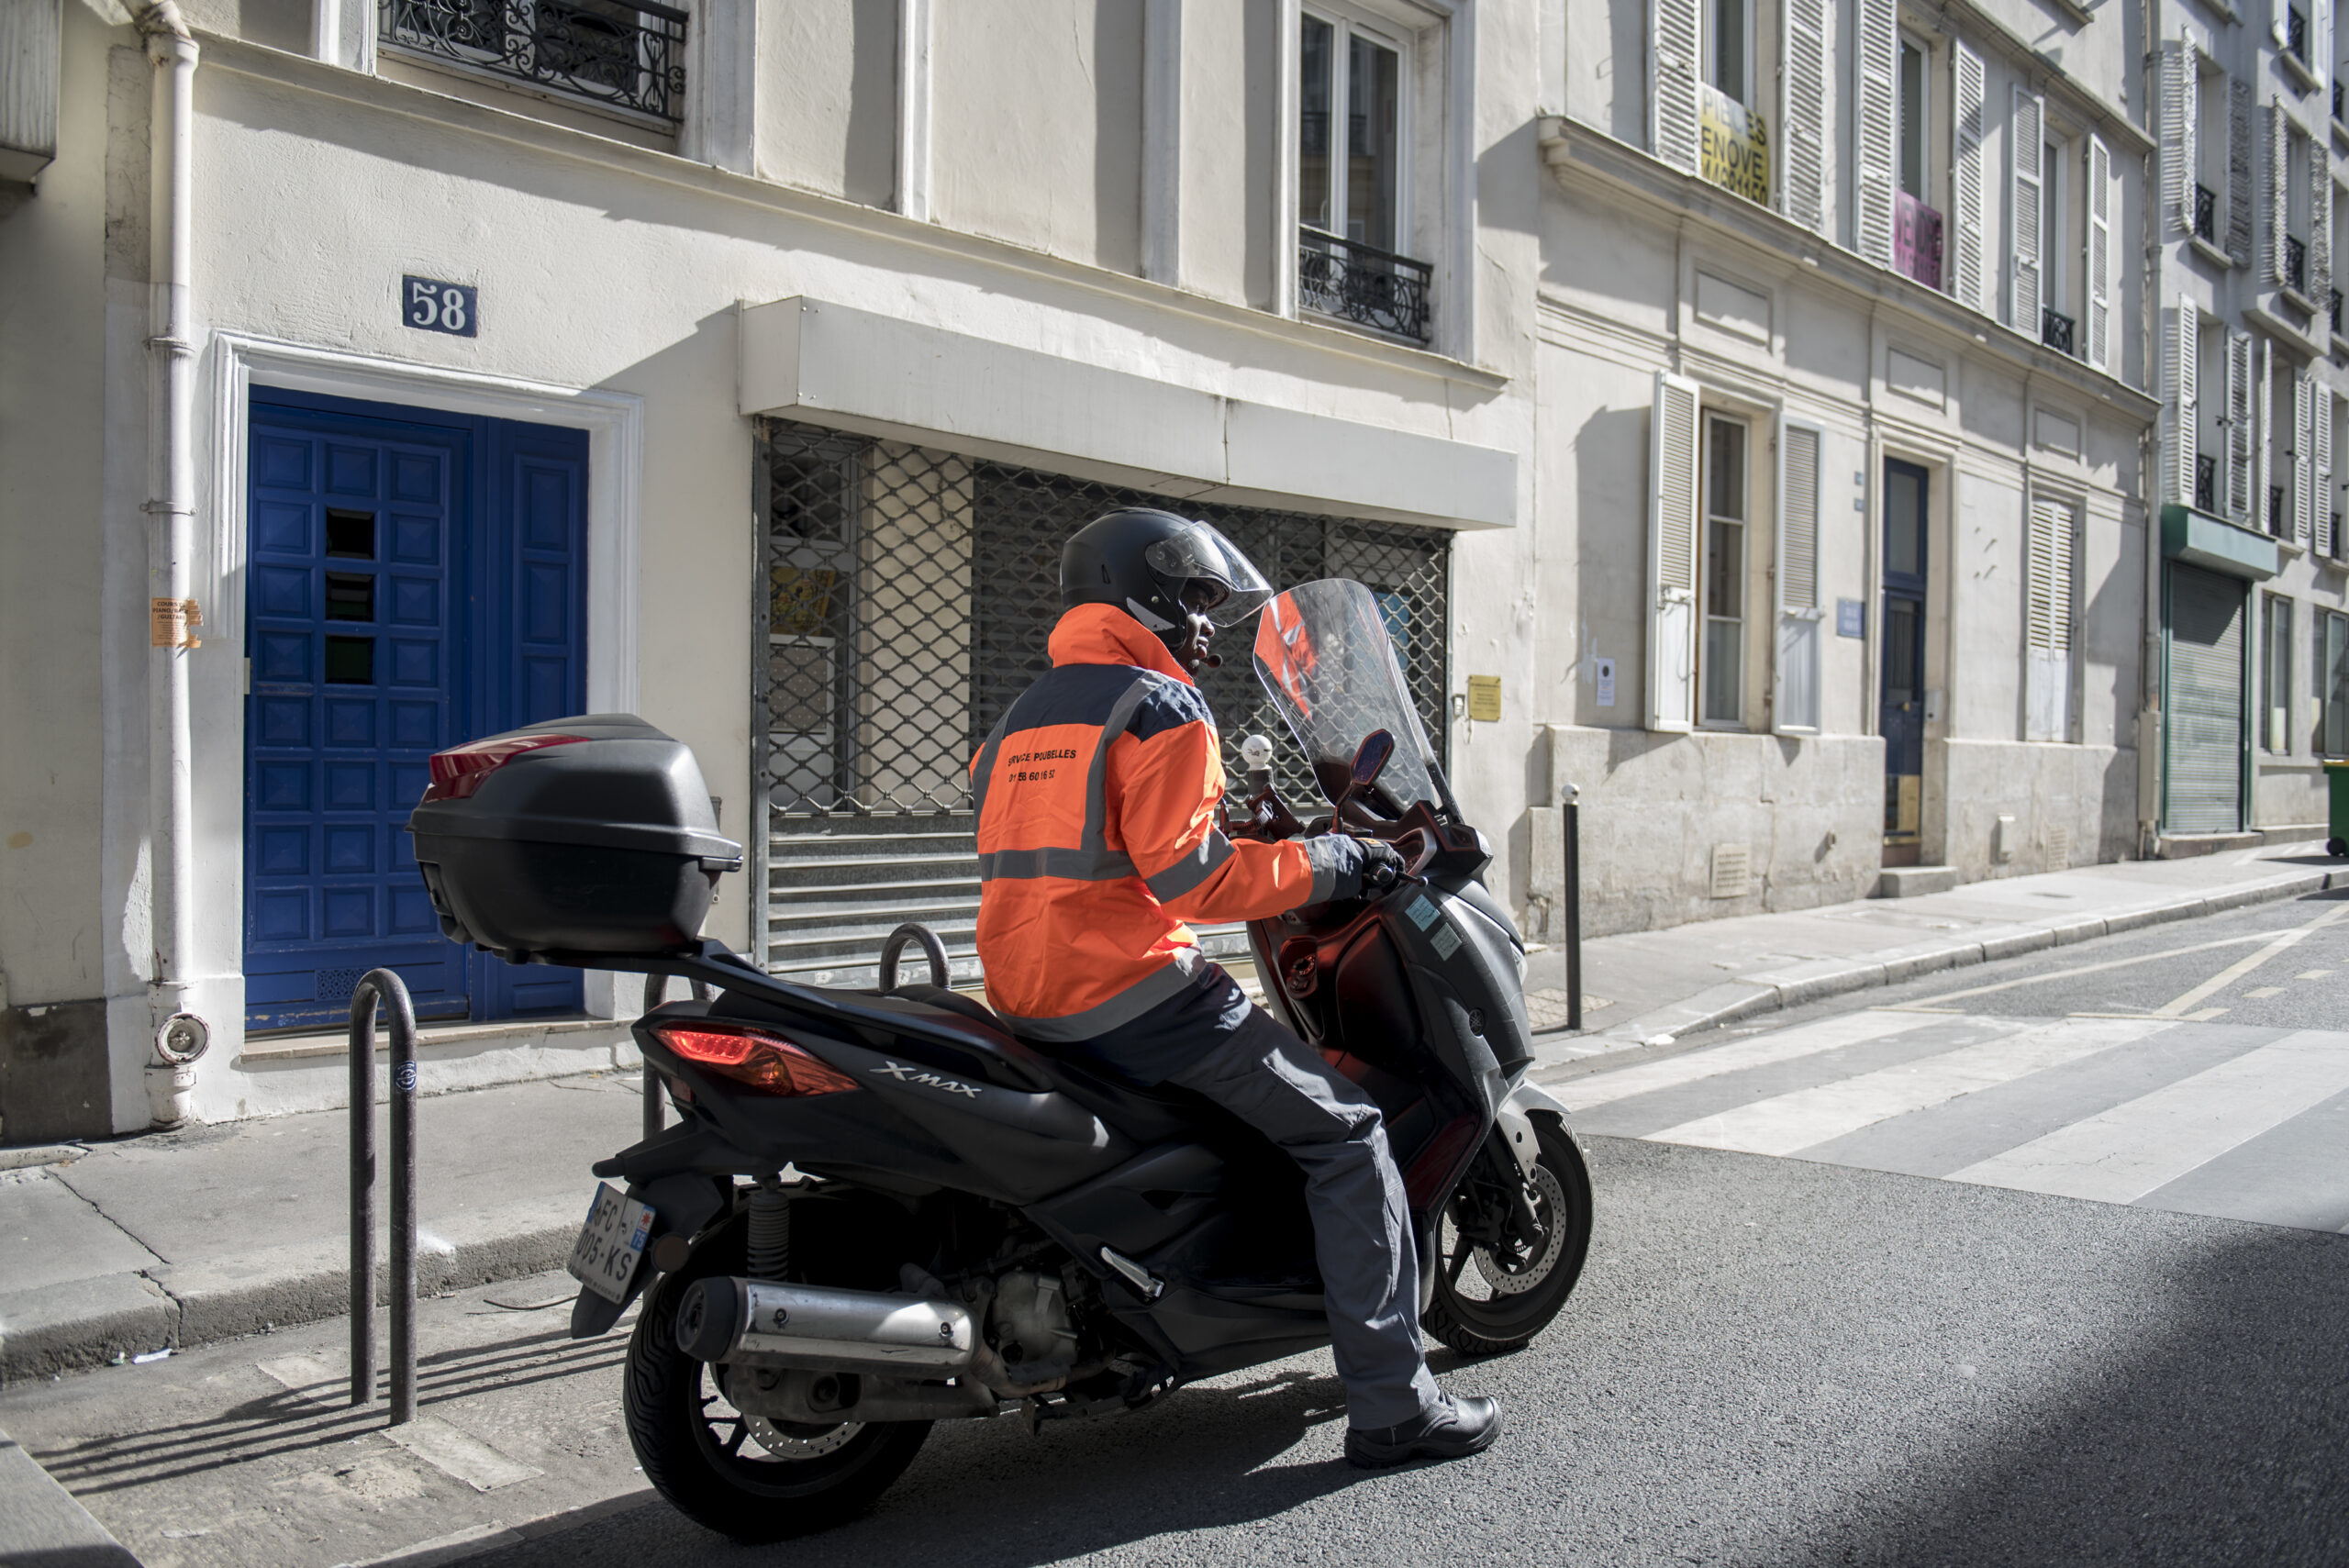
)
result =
(1382, 865)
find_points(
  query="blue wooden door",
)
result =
(415, 580)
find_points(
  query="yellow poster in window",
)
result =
(1735, 146)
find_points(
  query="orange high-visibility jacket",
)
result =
(1096, 802)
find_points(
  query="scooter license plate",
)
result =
(611, 1243)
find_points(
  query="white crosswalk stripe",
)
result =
(2123, 1154)
(1784, 1123)
(1765, 1050)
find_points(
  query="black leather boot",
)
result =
(1454, 1430)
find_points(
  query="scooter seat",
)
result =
(968, 1026)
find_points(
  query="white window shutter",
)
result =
(1672, 107)
(2047, 641)
(2262, 434)
(2026, 150)
(2241, 474)
(2181, 106)
(2101, 197)
(1803, 187)
(2279, 190)
(1673, 451)
(1965, 179)
(2240, 187)
(2320, 474)
(1796, 706)
(1879, 56)
(2178, 404)
(2297, 507)
(2320, 232)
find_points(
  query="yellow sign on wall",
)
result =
(1484, 698)
(1735, 146)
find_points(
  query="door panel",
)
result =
(415, 580)
(1901, 661)
(2206, 698)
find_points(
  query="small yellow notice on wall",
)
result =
(1735, 146)
(1484, 698)
(171, 623)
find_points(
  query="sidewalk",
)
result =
(125, 1247)
(1645, 988)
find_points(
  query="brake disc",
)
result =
(791, 1439)
(1549, 1204)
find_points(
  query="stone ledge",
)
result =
(1909, 882)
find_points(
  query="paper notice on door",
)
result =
(171, 623)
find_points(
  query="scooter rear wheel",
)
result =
(1488, 1300)
(753, 1480)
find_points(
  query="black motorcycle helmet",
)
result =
(1161, 569)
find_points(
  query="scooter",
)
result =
(880, 1209)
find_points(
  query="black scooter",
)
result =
(880, 1209)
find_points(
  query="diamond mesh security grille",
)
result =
(910, 593)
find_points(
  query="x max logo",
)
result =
(927, 1080)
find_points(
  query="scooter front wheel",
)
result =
(752, 1479)
(1494, 1288)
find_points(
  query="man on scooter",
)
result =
(1098, 839)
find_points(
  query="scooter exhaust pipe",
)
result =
(749, 1323)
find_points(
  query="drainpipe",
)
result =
(171, 510)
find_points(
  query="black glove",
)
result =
(1382, 865)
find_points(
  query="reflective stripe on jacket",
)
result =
(1097, 801)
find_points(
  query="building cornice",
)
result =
(1580, 157)
(2044, 70)
(1335, 344)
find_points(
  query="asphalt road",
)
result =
(1784, 1360)
(1798, 1359)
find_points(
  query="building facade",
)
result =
(1846, 408)
(2252, 621)
(381, 375)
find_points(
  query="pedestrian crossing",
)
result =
(2166, 1112)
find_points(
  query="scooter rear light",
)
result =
(767, 1063)
(459, 771)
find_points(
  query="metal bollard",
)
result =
(1571, 894)
(385, 984)
(656, 991)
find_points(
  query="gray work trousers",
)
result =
(1267, 1077)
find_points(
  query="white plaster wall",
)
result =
(826, 114)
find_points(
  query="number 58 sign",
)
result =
(432, 305)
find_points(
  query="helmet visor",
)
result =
(1200, 554)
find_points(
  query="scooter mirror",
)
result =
(1371, 760)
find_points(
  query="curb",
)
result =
(1825, 978)
(93, 1322)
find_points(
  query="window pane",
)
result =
(1313, 133)
(1904, 513)
(2051, 223)
(2336, 705)
(1724, 676)
(1728, 48)
(1373, 123)
(1899, 650)
(1913, 120)
(1725, 470)
(1724, 569)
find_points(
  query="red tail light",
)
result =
(767, 1063)
(458, 772)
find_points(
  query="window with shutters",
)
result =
(2279, 441)
(1352, 177)
(2335, 546)
(2026, 221)
(1729, 48)
(1969, 126)
(2058, 310)
(2338, 201)
(2332, 661)
(2276, 673)
(1733, 135)
(2210, 161)
(2210, 417)
(1721, 660)
(2051, 535)
(2298, 205)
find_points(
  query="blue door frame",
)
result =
(413, 580)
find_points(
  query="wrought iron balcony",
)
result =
(2206, 215)
(1362, 284)
(2296, 34)
(2296, 265)
(627, 55)
(2206, 482)
(2056, 329)
(2335, 308)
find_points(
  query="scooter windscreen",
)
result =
(1323, 652)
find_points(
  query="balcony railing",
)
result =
(2336, 103)
(627, 55)
(2206, 482)
(1916, 239)
(2296, 265)
(1362, 284)
(2335, 309)
(2296, 35)
(2055, 329)
(2206, 215)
